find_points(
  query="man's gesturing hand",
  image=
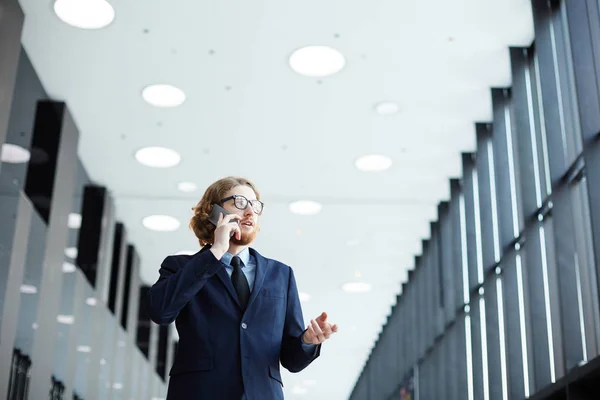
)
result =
(319, 330)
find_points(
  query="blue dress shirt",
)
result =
(248, 266)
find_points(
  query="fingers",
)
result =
(312, 334)
(322, 328)
(234, 219)
(230, 218)
(231, 224)
(327, 330)
(318, 332)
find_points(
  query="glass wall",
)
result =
(503, 301)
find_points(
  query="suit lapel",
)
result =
(224, 277)
(262, 265)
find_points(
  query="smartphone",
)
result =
(214, 214)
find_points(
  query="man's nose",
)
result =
(248, 210)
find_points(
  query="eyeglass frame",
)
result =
(248, 201)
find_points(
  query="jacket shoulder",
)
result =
(175, 260)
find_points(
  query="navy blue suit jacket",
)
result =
(224, 352)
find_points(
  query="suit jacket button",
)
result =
(244, 326)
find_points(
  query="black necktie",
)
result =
(240, 283)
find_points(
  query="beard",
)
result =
(247, 238)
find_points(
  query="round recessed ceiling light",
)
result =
(67, 268)
(317, 61)
(305, 207)
(13, 154)
(91, 301)
(65, 319)
(90, 14)
(387, 108)
(373, 163)
(187, 187)
(157, 157)
(161, 223)
(71, 252)
(356, 287)
(28, 289)
(74, 221)
(162, 95)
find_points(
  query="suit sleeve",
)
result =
(180, 279)
(295, 355)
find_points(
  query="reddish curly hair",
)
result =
(202, 227)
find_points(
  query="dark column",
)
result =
(94, 251)
(420, 300)
(96, 238)
(50, 185)
(117, 273)
(536, 266)
(14, 278)
(562, 127)
(519, 351)
(90, 232)
(584, 32)
(447, 268)
(508, 200)
(489, 249)
(488, 210)
(435, 283)
(11, 25)
(131, 298)
(475, 269)
(143, 336)
(28, 90)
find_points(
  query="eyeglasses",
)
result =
(240, 202)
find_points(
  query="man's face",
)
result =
(249, 219)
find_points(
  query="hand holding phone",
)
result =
(226, 226)
(215, 214)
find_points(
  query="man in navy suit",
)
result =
(237, 313)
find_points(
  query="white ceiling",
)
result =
(247, 113)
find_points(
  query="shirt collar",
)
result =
(244, 257)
